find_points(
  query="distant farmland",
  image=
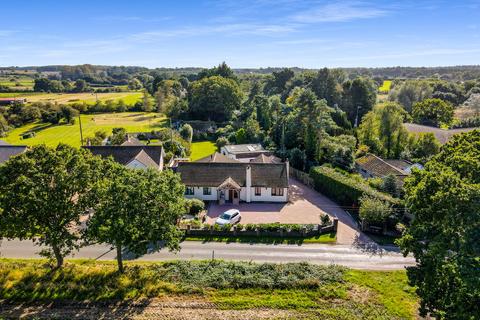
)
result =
(385, 88)
(52, 135)
(69, 98)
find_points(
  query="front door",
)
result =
(230, 195)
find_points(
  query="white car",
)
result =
(231, 216)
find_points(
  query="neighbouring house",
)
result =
(10, 101)
(132, 156)
(132, 141)
(226, 180)
(442, 135)
(244, 152)
(8, 150)
(372, 166)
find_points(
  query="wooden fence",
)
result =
(301, 176)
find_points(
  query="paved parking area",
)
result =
(302, 208)
(305, 206)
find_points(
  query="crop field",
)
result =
(51, 135)
(68, 98)
(385, 88)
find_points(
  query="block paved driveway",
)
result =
(305, 206)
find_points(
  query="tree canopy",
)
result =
(214, 98)
(444, 237)
(433, 112)
(43, 193)
(136, 210)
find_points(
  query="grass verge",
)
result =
(327, 292)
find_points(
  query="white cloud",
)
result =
(339, 12)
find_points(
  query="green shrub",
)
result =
(345, 189)
(373, 210)
(325, 220)
(194, 206)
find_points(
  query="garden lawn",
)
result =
(51, 135)
(314, 291)
(202, 149)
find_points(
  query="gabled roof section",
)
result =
(144, 159)
(132, 141)
(217, 157)
(229, 183)
(378, 167)
(7, 151)
(263, 158)
(125, 154)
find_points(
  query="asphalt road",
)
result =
(373, 258)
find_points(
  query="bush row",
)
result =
(271, 227)
(345, 189)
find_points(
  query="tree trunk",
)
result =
(58, 256)
(119, 258)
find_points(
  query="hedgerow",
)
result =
(345, 189)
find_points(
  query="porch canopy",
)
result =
(229, 184)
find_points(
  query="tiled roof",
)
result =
(217, 157)
(442, 135)
(132, 141)
(213, 174)
(400, 164)
(263, 158)
(7, 151)
(378, 167)
(125, 154)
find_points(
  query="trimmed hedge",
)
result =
(345, 189)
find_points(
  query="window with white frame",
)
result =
(277, 192)
(207, 191)
(258, 191)
(189, 191)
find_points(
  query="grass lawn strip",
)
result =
(324, 238)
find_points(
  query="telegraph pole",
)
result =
(81, 131)
(356, 117)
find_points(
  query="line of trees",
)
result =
(65, 197)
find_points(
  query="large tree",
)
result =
(43, 193)
(444, 237)
(382, 130)
(137, 211)
(433, 112)
(359, 97)
(214, 98)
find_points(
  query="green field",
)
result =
(129, 98)
(51, 135)
(307, 291)
(202, 149)
(385, 88)
(19, 82)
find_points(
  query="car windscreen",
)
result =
(225, 216)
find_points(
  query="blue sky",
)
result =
(252, 33)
